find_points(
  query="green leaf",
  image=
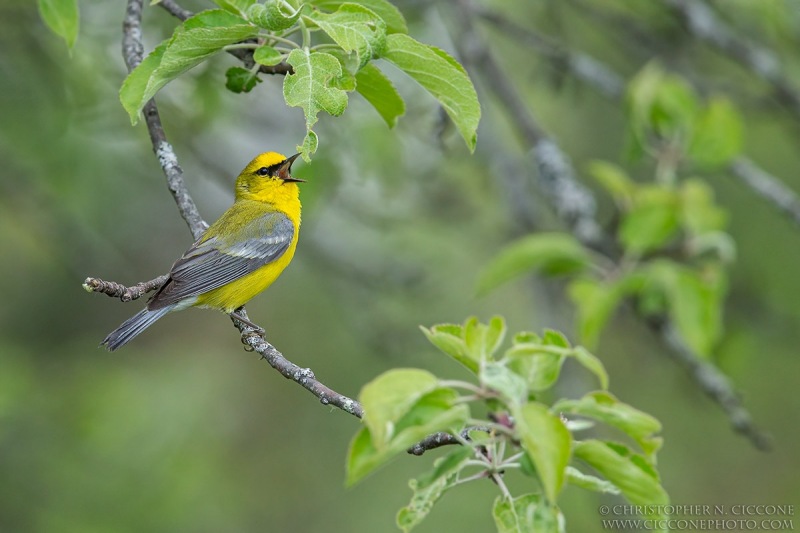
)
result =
(309, 146)
(510, 385)
(595, 301)
(696, 308)
(395, 23)
(240, 80)
(614, 180)
(526, 514)
(356, 29)
(719, 243)
(237, 7)
(585, 481)
(391, 396)
(718, 134)
(494, 336)
(435, 411)
(432, 486)
(591, 363)
(441, 76)
(270, 17)
(483, 340)
(527, 337)
(61, 16)
(267, 56)
(695, 301)
(401, 407)
(619, 466)
(376, 88)
(309, 87)
(547, 442)
(539, 368)
(651, 222)
(449, 339)
(550, 253)
(604, 407)
(661, 106)
(363, 457)
(555, 338)
(198, 38)
(699, 213)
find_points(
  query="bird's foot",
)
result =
(239, 318)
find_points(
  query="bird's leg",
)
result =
(238, 317)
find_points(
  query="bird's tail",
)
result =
(133, 326)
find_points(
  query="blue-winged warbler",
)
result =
(238, 256)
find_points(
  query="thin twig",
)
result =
(175, 10)
(126, 294)
(443, 438)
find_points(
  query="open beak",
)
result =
(285, 168)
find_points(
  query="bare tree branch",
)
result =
(175, 10)
(716, 385)
(572, 201)
(582, 66)
(767, 186)
(581, 213)
(702, 22)
(132, 52)
(611, 84)
(303, 376)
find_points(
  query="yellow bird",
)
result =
(238, 256)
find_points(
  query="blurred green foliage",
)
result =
(185, 431)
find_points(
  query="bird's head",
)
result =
(267, 178)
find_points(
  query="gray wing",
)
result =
(217, 261)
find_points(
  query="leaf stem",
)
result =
(283, 40)
(479, 463)
(480, 475)
(497, 478)
(241, 46)
(326, 46)
(305, 33)
(458, 384)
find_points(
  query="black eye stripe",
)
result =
(270, 171)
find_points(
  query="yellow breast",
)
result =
(237, 293)
(273, 196)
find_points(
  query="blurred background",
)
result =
(183, 430)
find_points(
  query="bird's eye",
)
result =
(263, 171)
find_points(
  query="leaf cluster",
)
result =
(522, 432)
(330, 47)
(670, 233)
